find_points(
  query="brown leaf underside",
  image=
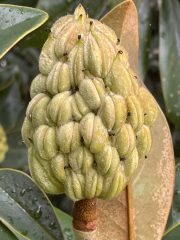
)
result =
(142, 209)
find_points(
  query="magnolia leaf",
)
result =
(24, 209)
(173, 226)
(5, 233)
(141, 210)
(169, 57)
(16, 22)
(123, 19)
(65, 221)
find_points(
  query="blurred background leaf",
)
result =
(145, 30)
(169, 56)
(173, 226)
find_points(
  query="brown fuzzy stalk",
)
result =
(85, 215)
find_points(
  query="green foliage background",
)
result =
(159, 58)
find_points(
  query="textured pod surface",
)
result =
(89, 121)
(3, 144)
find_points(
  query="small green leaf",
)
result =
(173, 226)
(5, 233)
(65, 221)
(170, 57)
(16, 22)
(25, 208)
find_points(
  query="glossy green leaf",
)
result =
(16, 22)
(5, 233)
(65, 221)
(173, 226)
(25, 208)
(170, 57)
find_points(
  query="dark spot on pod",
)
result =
(65, 54)
(118, 40)
(80, 15)
(30, 140)
(73, 119)
(135, 76)
(83, 70)
(120, 52)
(122, 158)
(95, 111)
(79, 37)
(128, 114)
(145, 156)
(74, 90)
(94, 164)
(67, 167)
(145, 114)
(82, 140)
(136, 136)
(111, 133)
(91, 23)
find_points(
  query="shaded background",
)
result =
(159, 63)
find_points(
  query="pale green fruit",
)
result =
(88, 121)
(3, 144)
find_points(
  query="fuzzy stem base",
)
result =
(85, 219)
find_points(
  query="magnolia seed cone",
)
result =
(3, 144)
(89, 121)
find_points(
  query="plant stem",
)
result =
(85, 219)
